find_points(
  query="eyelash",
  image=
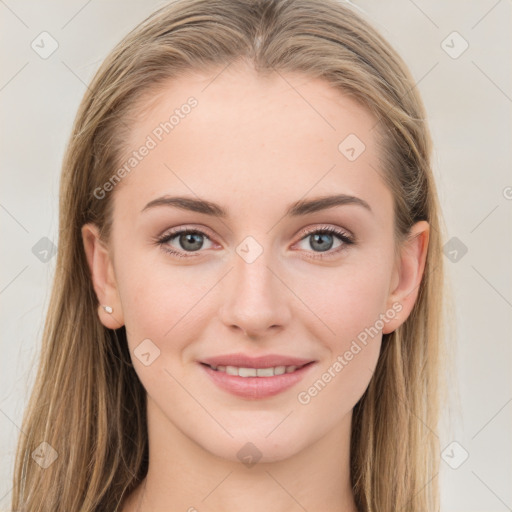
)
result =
(342, 235)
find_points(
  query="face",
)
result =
(254, 272)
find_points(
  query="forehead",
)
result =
(269, 140)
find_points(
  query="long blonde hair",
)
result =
(88, 403)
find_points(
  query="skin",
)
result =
(254, 146)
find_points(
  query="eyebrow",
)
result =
(302, 207)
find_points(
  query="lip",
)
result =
(256, 388)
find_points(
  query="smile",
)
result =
(256, 382)
(256, 372)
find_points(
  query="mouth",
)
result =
(255, 378)
(245, 372)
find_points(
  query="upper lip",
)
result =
(245, 361)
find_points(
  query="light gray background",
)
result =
(469, 104)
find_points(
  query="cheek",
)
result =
(349, 299)
(160, 305)
(350, 307)
(157, 298)
(352, 354)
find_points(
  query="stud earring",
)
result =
(108, 309)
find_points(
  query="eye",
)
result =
(185, 240)
(322, 240)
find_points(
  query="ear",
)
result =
(408, 273)
(103, 277)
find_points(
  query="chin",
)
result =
(251, 447)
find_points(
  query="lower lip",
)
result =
(255, 388)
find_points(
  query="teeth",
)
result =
(255, 372)
(231, 370)
(247, 372)
(265, 372)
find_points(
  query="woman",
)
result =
(247, 306)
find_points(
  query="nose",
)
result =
(255, 300)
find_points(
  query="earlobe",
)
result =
(103, 278)
(408, 274)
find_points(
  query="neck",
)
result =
(184, 476)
